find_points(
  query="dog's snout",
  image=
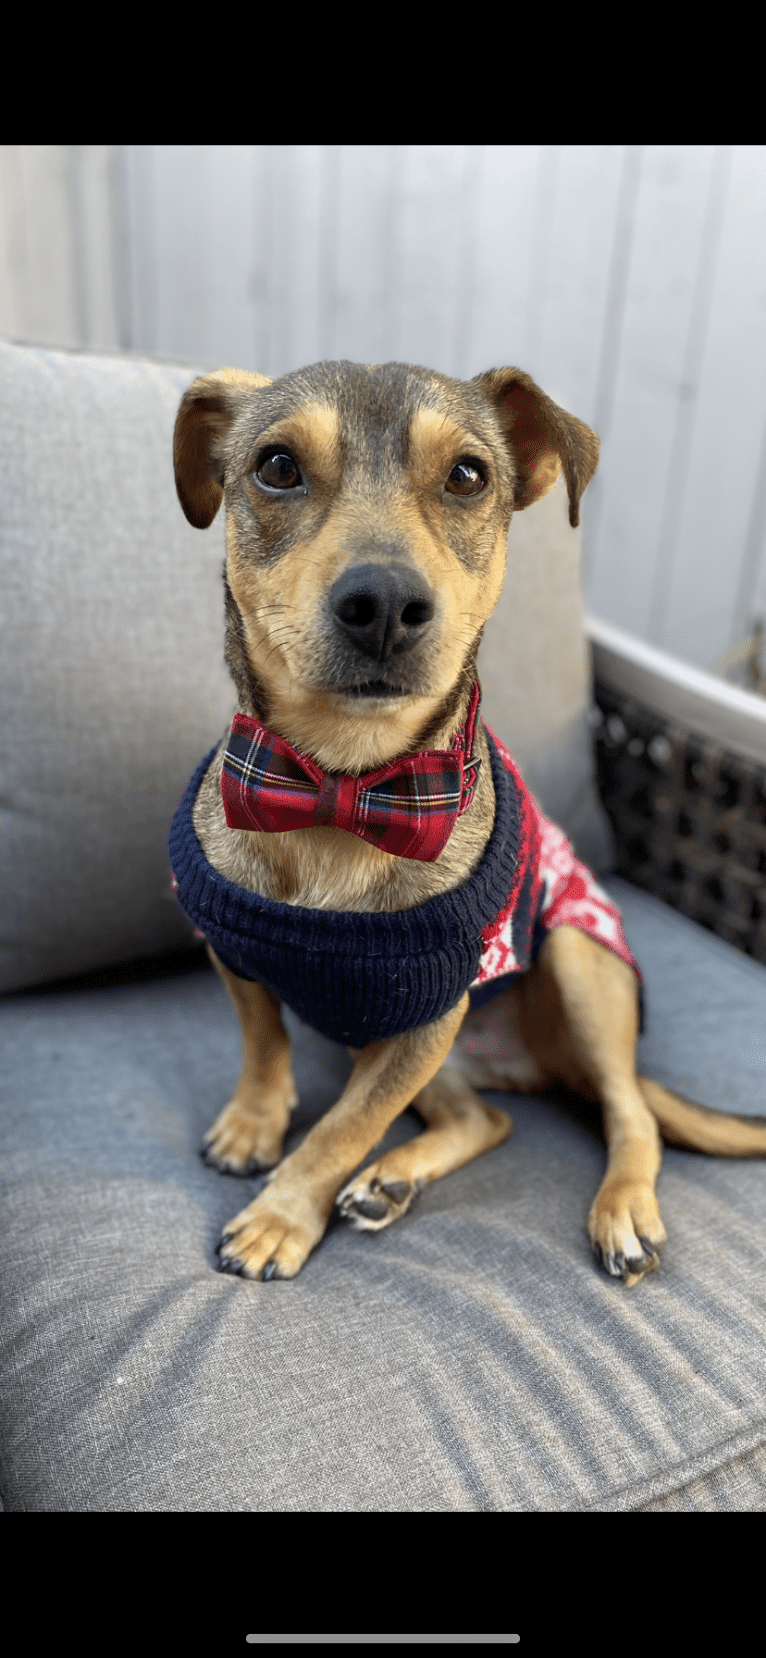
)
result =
(382, 609)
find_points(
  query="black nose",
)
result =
(382, 609)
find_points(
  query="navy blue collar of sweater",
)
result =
(355, 977)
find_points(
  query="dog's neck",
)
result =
(326, 868)
(356, 743)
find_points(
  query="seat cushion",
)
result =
(470, 1358)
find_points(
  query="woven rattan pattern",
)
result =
(689, 819)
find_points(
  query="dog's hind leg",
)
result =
(459, 1127)
(579, 1017)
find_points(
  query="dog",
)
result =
(361, 820)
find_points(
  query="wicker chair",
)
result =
(681, 760)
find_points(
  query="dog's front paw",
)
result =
(248, 1134)
(626, 1230)
(373, 1199)
(272, 1237)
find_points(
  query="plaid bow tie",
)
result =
(408, 808)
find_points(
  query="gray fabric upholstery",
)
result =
(112, 677)
(112, 680)
(536, 675)
(471, 1358)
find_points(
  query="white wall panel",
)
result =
(629, 280)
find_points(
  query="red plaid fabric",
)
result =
(407, 808)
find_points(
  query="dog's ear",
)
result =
(202, 423)
(542, 439)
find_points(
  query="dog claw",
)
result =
(232, 1265)
(254, 1165)
(620, 1266)
(269, 1271)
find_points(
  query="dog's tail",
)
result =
(700, 1129)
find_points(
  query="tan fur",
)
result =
(329, 869)
(375, 448)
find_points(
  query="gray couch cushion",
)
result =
(536, 675)
(471, 1358)
(112, 680)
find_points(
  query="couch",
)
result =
(473, 1357)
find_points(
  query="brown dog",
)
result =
(367, 514)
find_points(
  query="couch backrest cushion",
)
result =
(534, 664)
(112, 676)
(113, 680)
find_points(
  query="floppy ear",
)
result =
(541, 437)
(202, 424)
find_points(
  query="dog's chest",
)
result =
(328, 869)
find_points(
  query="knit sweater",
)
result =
(360, 977)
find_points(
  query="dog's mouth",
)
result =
(373, 688)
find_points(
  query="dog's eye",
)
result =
(278, 471)
(466, 478)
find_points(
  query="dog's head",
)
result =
(367, 514)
